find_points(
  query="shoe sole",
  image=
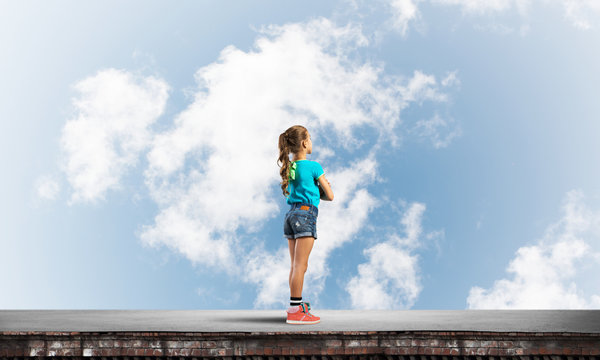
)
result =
(300, 322)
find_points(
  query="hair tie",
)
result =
(292, 175)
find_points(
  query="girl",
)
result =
(307, 185)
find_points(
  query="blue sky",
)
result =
(460, 139)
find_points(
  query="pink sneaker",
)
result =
(300, 315)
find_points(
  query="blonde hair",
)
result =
(290, 141)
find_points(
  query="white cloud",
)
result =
(437, 130)
(389, 279)
(582, 13)
(47, 187)
(546, 275)
(488, 6)
(451, 79)
(214, 174)
(403, 13)
(114, 109)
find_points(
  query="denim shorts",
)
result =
(300, 221)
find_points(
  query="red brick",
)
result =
(140, 343)
(191, 344)
(32, 352)
(106, 343)
(173, 344)
(198, 352)
(88, 344)
(371, 350)
(352, 343)
(158, 352)
(489, 343)
(209, 344)
(432, 342)
(36, 343)
(225, 344)
(469, 351)
(333, 343)
(452, 343)
(471, 343)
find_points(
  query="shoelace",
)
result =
(306, 307)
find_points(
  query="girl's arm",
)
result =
(324, 183)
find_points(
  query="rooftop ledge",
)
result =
(264, 335)
(257, 321)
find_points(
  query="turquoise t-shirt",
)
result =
(303, 189)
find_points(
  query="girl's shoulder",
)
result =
(310, 162)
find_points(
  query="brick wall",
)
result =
(409, 345)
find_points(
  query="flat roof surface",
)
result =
(576, 321)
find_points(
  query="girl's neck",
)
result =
(299, 158)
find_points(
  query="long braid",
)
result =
(285, 160)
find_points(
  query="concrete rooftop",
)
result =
(577, 321)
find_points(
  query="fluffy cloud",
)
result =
(113, 109)
(389, 279)
(403, 13)
(488, 6)
(214, 174)
(437, 130)
(47, 187)
(546, 275)
(582, 13)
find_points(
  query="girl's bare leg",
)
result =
(292, 246)
(300, 264)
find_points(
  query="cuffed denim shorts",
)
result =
(300, 221)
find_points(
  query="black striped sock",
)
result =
(295, 301)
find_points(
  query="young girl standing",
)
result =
(304, 185)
